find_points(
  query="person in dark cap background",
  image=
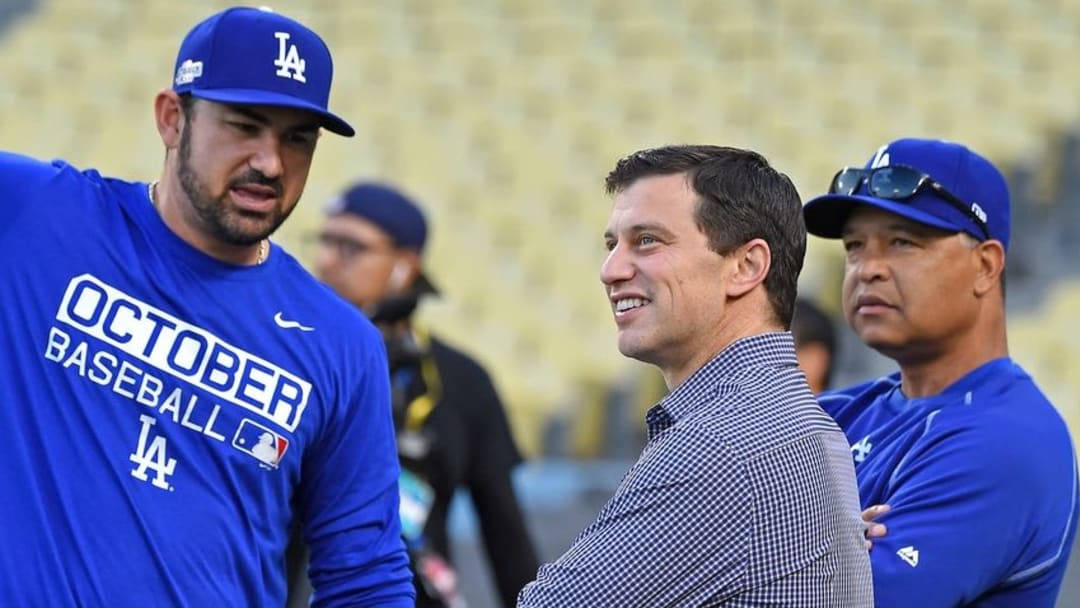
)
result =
(370, 252)
(815, 343)
(975, 464)
(451, 427)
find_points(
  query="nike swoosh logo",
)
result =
(290, 324)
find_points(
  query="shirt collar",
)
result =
(775, 349)
(963, 389)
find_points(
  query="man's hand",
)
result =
(873, 529)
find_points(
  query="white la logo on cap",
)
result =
(881, 158)
(289, 63)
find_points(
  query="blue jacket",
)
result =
(982, 483)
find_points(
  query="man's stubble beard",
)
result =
(214, 215)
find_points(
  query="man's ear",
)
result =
(752, 262)
(991, 260)
(399, 275)
(169, 116)
(406, 269)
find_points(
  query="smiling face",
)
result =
(242, 170)
(909, 289)
(666, 287)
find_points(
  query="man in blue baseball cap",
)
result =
(975, 466)
(179, 393)
(258, 57)
(451, 426)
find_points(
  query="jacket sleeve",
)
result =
(966, 504)
(492, 459)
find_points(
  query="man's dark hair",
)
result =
(187, 105)
(812, 325)
(741, 197)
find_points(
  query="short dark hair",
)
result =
(812, 325)
(741, 197)
(187, 105)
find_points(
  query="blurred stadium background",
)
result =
(504, 116)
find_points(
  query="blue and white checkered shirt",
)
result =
(745, 495)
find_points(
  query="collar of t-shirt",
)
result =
(965, 390)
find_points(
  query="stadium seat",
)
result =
(504, 116)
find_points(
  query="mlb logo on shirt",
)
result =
(265, 445)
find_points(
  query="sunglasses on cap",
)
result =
(897, 183)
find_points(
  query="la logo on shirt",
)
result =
(861, 450)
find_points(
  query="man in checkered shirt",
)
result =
(745, 494)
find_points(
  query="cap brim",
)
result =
(826, 215)
(330, 122)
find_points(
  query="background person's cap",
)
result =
(393, 212)
(962, 172)
(258, 57)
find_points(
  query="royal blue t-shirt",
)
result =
(982, 483)
(167, 416)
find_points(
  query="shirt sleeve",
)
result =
(22, 180)
(962, 493)
(492, 459)
(663, 538)
(349, 500)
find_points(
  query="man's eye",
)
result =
(303, 138)
(244, 127)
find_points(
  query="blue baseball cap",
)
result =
(258, 57)
(969, 176)
(393, 212)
